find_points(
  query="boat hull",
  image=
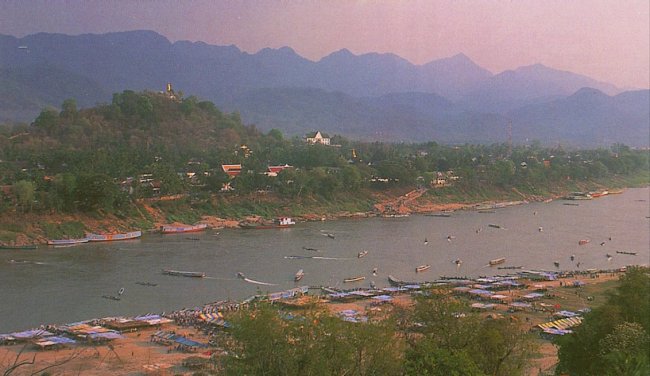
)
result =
(180, 273)
(182, 229)
(114, 237)
(67, 241)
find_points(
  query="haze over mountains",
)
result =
(371, 96)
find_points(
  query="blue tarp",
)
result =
(566, 314)
(31, 334)
(521, 304)
(60, 340)
(383, 298)
(107, 335)
(189, 342)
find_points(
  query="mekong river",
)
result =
(62, 285)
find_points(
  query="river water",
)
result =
(62, 285)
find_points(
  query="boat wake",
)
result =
(259, 282)
(316, 258)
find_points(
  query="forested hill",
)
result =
(368, 97)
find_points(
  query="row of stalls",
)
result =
(180, 343)
(85, 332)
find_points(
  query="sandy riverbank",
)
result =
(136, 354)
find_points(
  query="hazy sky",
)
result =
(608, 40)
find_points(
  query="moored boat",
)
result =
(578, 196)
(362, 254)
(354, 279)
(67, 241)
(583, 241)
(599, 194)
(282, 222)
(31, 246)
(182, 229)
(422, 268)
(181, 273)
(498, 261)
(626, 253)
(113, 237)
(299, 274)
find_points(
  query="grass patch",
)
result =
(7, 236)
(70, 229)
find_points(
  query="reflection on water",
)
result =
(58, 285)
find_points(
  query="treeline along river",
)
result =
(61, 285)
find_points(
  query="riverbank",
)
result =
(228, 211)
(138, 352)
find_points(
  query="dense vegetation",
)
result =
(93, 160)
(614, 339)
(439, 337)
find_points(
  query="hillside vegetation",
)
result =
(98, 163)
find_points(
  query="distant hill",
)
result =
(588, 117)
(528, 85)
(22, 96)
(379, 96)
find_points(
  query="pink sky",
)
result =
(608, 40)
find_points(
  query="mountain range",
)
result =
(370, 96)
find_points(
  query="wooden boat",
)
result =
(494, 226)
(67, 241)
(583, 241)
(299, 274)
(626, 253)
(282, 222)
(113, 237)
(442, 215)
(362, 254)
(31, 246)
(578, 196)
(510, 267)
(422, 268)
(180, 273)
(111, 297)
(570, 204)
(498, 261)
(616, 191)
(354, 279)
(146, 284)
(599, 194)
(182, 229)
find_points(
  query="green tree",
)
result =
(24, 191)
(613, 337)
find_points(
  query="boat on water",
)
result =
(510, 267)
(626, 253)
(616, 191)
(441, 215)
(422, 268)
(599, 194)
(111, 297)
(182, 229)
(181, 273)
(67, 241)
(583, 241)
(578, 196)
(498, 261)
(146, 284)
(31, 246)
(299, 274)
(362, 254)
(354, 279)
(282, 222)
(113, 237)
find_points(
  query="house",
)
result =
(275, 170)
(231, 169)
(318, 138)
